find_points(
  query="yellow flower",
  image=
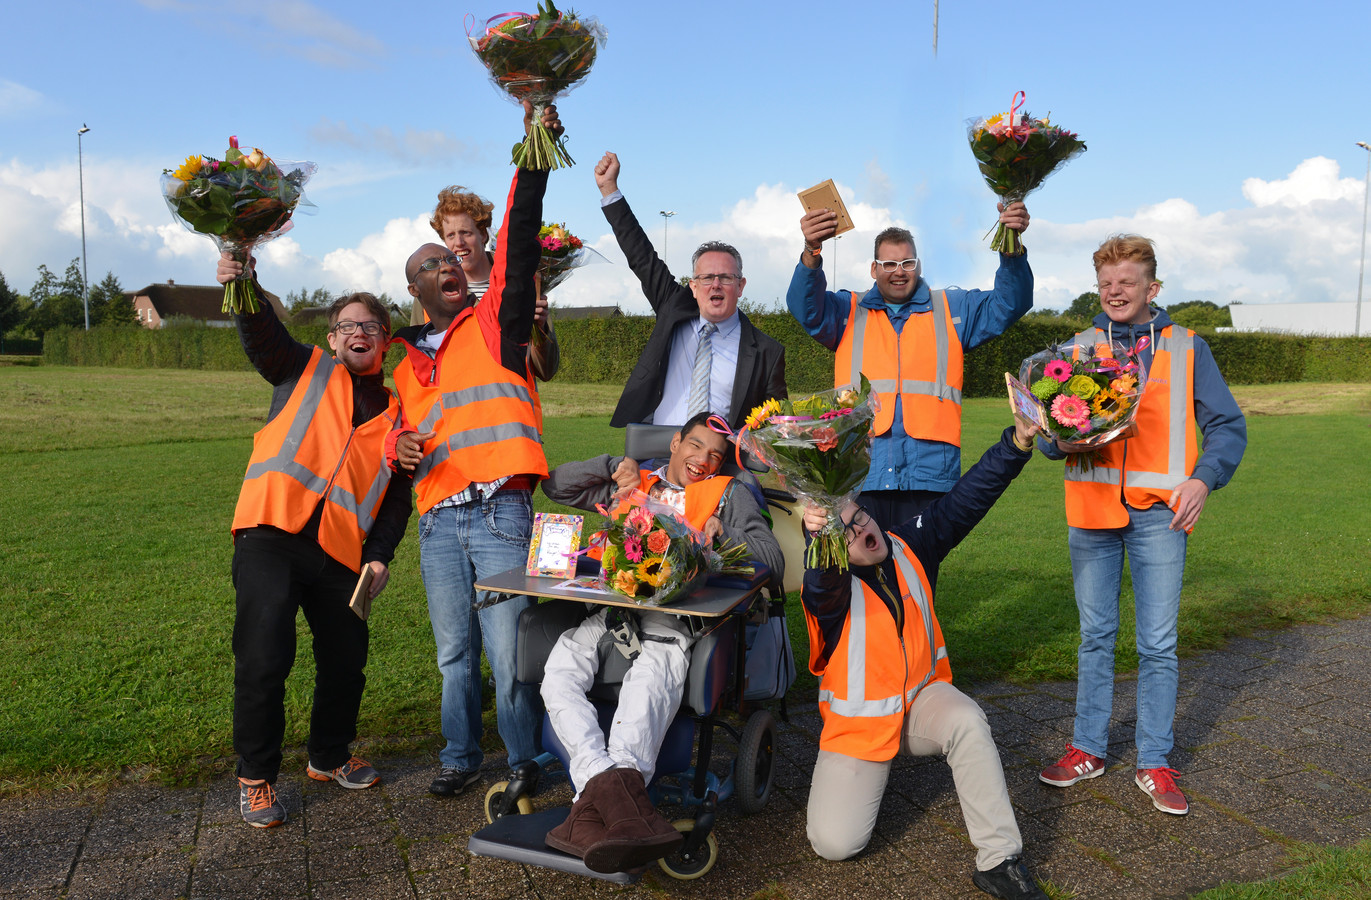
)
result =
(758, 416)
(190, 168)
(654, 572)
(847, 399)
(625, 583)
(1108, 405)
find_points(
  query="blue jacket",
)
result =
(1221, 422)
(899, 462)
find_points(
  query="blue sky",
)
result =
(1226, 131)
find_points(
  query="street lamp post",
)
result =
(1366, 200)
(666, 217)
(81, 177)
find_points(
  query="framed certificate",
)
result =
(1022, 403)
(552, 549)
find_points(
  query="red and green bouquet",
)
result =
(820, 448)
(1016, 153)
(1090, 394)
(651, 554)
(241, 201)
(539, 58)
(562, 252)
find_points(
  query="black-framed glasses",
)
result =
(720, 280)
(890, 265)
(370, 329)
(434, 262)
(860, 519)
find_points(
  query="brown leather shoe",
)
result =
(635, 833)
(579, 830)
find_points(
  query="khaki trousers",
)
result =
(845, 795)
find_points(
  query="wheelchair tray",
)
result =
(520, 839)
(708, 601)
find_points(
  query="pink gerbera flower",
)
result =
(1071, 411)
(633, 549)
(1059, 369)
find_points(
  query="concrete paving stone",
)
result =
(333, 808)
(339, 858)
(55, 820)
(1216, 833)
(1246, 758)
(35, 867)
(391, 886)
(239, 845)
(1086, 876)
(1329, 794)
(1301, 822)
(776, 836)
(1230, 788)
(439, 854)
(1099, 825)
(1011, 728)
(1352, 766)
(1039, 707)
(267, 881)
(134, 820)
(1348, 710)
(1258, 864)
(1271, 733)
(923, 786)
(160, 875)
(427, 817)
(1169, 870)
(221, 800)
(1327, 731)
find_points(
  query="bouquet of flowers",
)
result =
(539, 58)
(651, 554)
(820, 447)
(1016, 153)
(1090, 396)
(240, 201)
(562, 252)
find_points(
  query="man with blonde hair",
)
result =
(1141, 496)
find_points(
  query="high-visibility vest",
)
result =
(1143, 470)
(879, 666)
(920, 367)
(482, 412)
(310, 452)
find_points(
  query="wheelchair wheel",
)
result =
(496, 795)
(756, 752)
(684, 868)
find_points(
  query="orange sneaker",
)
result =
(258, 803)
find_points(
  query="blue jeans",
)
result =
(1156, 560)
(459, 545)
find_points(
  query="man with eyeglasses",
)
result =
(885, 682)
(318, 506)
(471, 438)
(908, 340)
(703, 355)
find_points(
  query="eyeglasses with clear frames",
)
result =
(370, 329)
(890, 265)
(720, 280)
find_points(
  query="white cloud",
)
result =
(15, 98)
(431, 147)
(295, 27)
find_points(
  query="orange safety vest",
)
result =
(483, 413)
(920, 367)
(310, 452)
(879, 666)
(1141, 471)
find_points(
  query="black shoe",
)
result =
(451, 782)
(1009, 881)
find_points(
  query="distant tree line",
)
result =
(53, 302)
(1193, 314)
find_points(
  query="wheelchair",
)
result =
(722, 676)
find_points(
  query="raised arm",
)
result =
(278, 357)
(659, 285)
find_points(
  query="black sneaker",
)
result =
(451, 782)
(1009, 881)
(258, 803)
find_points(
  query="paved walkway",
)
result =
(1275, 731)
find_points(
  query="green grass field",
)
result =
(117, 607)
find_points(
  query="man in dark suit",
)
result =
(699, 330)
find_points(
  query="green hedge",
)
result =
(604, 351)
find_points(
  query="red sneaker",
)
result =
(1160, 785)
(1076, 765)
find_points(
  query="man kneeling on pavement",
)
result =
(885, 682)
(613, 825)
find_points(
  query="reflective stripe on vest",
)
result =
(1174, 347)
(284, 460)
(856, 704)
(928, 346)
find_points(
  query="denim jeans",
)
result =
(459, 545)
(1156, 560)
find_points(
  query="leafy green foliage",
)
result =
(109, 305)
(316, 299)
(1084, 307)
(1200, 315)
(12, 312)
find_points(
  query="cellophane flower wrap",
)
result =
(539, 58)
(562, 253)
(1090, 395)
(650, 553)
(241, 201)
(820, 449)
(1016, 153)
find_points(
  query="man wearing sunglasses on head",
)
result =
(885, 682)
(908, 340)
(318, 506)
(471, 438)
(703, 354)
